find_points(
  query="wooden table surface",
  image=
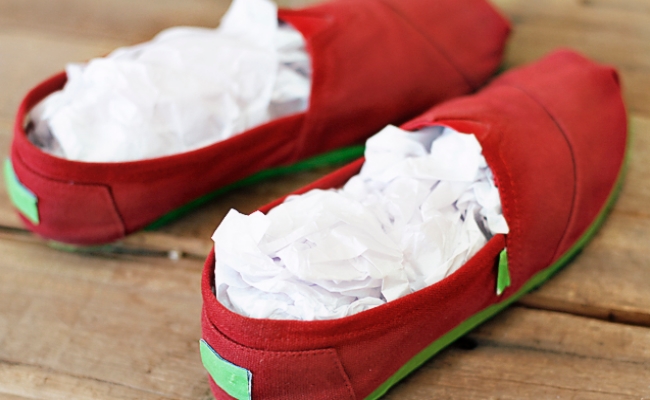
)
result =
(124, 324)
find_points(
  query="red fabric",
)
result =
(540, 127)
(552, 131)
(217, 391)
(374, 62)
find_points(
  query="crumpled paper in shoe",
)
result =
(422, 205)
(185, 89)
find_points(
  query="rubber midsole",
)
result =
(335, 157)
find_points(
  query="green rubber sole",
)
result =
(335, 157)
(489, 312)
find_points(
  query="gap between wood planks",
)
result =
(98, 341)
(540, 354)
(26, 381)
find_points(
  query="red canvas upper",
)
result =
(374, 62)
(554, 135)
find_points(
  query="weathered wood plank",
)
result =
(127, 20)
(635, 196)
(596, 28)
(27, 58)
(629, 5)
(127, 328)
(609, 279)
(4, 396)
(538, 354)
(526, 46)
(585, 24)
(19, 381)
(130, 322)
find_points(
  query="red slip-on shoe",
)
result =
(554, 134)
(374, 62)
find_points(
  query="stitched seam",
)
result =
(514, 224)
(346, 377)
(117, 209)
(295, 354)
(82, 186)
(300, 144)
(573, 162)
(433, 44)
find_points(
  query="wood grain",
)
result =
(130, 21)
(30, 382)
(127, 20)
(608, 279)
(524, 354)
(123, 322)
(596, 28)
(629, 5)
(635, 197)
(28, 58)
(94, 327)
(128, 322)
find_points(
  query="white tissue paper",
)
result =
(422, 205)
(185, 89)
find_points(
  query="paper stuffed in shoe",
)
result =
(373, 62)
(554, 135)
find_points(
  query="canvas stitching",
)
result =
(433, 44)
(292, 354)
(84, 187)
(573, 163)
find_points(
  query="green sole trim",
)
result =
(21, 197)
(489, 312)
(335, 157)
(231, 378)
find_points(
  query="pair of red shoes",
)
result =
(553, 133)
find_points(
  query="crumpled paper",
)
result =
(422, 205)
(185, 89)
